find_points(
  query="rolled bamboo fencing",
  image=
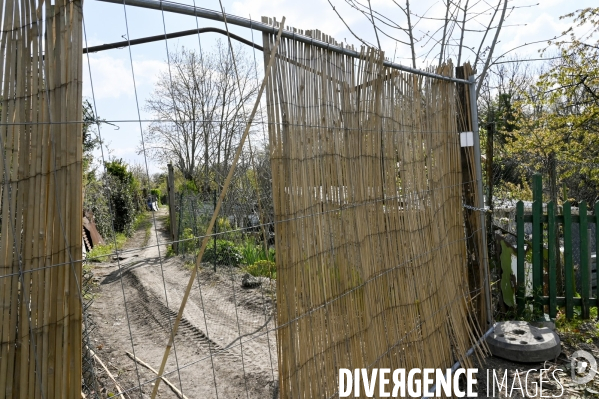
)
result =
(41, 171)
(370, 239)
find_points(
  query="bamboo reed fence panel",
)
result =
(41, 208)
(370, 241)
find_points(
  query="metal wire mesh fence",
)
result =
(363, 189)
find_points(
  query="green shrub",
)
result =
(188, 186)
(122, 203)
(262, 268)
(224, 226)
(188, 244)
(122, 190)
(226, 253)
(252, 252)
(170, 252)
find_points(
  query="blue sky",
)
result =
(112, 74)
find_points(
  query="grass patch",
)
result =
(577, 330)
(102, 252)
(262, 268)
(144, 221)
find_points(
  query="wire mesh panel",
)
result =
(41, 168)
(370, 242)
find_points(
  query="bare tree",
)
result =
(200, 112)
(456, 29)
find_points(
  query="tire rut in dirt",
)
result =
(148, 306)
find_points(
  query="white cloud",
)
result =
(542, 27)
(112, 77)
(547, 4)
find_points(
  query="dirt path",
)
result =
(136, 303)
(137, 299)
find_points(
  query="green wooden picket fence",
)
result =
(545, 229)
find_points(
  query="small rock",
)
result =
(249, 281)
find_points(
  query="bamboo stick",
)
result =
(214, 216)
(108, 373)
(167, 382)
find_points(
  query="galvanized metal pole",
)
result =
(480, 203)
(246, 23)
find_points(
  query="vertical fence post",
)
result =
(590, 263)
(553, 196)
(479, 179)
(171, 206)
(537, 235)
(596, 213)
(489, 167)
(215, 231)
(569, 272)
(585, 282)
(521, 296)
(551, 249)
(180, 220)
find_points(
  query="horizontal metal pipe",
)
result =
(246, 23)
(173, 35)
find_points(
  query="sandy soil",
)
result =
(222, 348)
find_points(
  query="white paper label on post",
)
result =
(466, 139)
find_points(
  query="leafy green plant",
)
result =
(249, 252)
(533, 308)
(263, 268)
(187, 243)
(122, 190)
(169, 251)
(270, 255)
(577, 330)
(188, 186)
(252, 252)
(225, 253)
(224, 226)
